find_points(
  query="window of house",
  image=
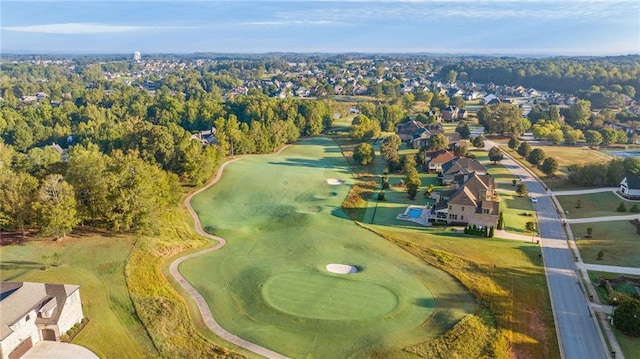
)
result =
(462, 209)
(27, 318)
(461, 217)
(450, 207)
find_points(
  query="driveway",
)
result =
(58, 350)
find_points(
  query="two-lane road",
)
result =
(578, 333)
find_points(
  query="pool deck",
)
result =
(422, 219)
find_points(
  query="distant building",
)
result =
(630, 187)
(137, 56)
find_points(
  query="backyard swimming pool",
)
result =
(414, 212)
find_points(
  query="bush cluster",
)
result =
(479, 231)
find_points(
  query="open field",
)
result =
(270, 283)
(507, 276)
(566, 155)
(617, 239)
(96, 263)
(594, 205)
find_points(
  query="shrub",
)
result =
(382, 196)
(626, 317)
(600, 255)
(634, 208)
(621, 207)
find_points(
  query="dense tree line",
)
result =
(604, 174)
(122, 151)
(561, 74)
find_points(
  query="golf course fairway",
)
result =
(283, 223)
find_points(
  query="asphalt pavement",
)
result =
(578, 332)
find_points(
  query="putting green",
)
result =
(281, 216)
(321, 296)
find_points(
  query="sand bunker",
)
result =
(341, 268)
(334, 181)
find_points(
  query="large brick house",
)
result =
(32, 312)
(472, 200)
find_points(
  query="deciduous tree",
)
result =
(56, 207)
(364, 154)
(495, 155)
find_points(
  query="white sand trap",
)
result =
(334, 181)
(341, 268)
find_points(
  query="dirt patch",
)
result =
(636, 223)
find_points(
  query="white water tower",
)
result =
(137, 56)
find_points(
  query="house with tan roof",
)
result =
(472, 200)
(33, 312)
(458, 166)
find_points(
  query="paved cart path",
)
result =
(203, 307)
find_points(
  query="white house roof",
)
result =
(18, 298)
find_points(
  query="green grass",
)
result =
(175, 326)
(617, 239)
(269, 284)
(593, 205)
(96, 263)
(507, 276)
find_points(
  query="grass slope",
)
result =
(96, 263)
(283, 224)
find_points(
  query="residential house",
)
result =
(407, 130)
(462, 114)
(420, 138)
(32, 312)
(472, 200)
(458, 166)
(450, 113)
(207, 137)
(630, 187)
(489, 99)
(453, 92)
(434, 160)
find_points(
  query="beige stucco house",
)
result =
(472, 200)
(32, 312)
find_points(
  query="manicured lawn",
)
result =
(95, 263)
(594, 205)
(617, 239)
(270, 285)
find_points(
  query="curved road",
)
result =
(579, 336)
(203, 307)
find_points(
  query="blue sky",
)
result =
(519, 27)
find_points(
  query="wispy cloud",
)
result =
(77, 28)
(288, 22)
(424, 10)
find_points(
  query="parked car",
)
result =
(534, 200)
